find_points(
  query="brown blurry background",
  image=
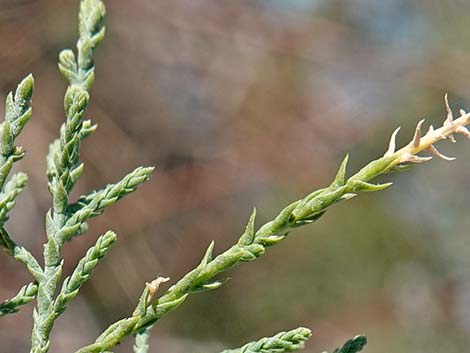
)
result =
(255, 102)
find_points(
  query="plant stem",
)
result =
(251, 244)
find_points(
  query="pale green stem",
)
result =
(252, 244)
(63, 167)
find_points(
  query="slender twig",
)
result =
(252, 244)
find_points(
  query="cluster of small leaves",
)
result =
(80, 69)
(83, 271)
(21, 254)
(25, 295)
(63, 167)
(17, 113)
(282, 342)
(12, 189)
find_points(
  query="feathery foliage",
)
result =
(67, 219)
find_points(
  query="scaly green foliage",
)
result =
(25, 295)
(17, 113)
(253, 243)
(67, 219)
(282, 342)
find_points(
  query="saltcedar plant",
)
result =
(67, 219)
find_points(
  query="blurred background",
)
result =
(255, 103)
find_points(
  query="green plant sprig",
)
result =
(24, 296)
(7, 200)
(21, 254)
(80, 70)
(63, 170)
(18, 112)
(83, 271)
(11, 190)
(282, 342)
(65, 220)
(252, 244)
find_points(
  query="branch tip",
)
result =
(417, 135)
(450, 115)
(436, 152)
(464, 131)
(392, 143)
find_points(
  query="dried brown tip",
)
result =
(417, 137)
(153, 286)
(450, 116)
(392, 143)
(464, 131)
(436, 152)
(411, 158)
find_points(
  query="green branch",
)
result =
(252, 244)
(80, 70)
(63, 166)
(18, 111)
(11, 190)
(7, 200)
(65, 220)
(95, 203)
(282, 342)
(21, 254)
(25, 295)
(83, 271)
